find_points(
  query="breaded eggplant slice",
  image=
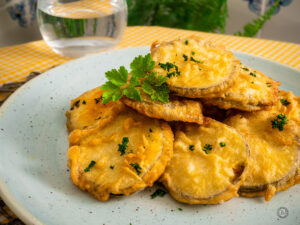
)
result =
(209, 164)
(87, 110)
(195, 67)
(275, 152)
(120, 157)
(177, 109)
(252, 91)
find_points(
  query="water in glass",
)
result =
(78, 27)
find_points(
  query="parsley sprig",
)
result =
(120, 83)
(137, 168)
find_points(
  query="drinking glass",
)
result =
(75, 28)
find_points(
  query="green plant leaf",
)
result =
(117, 77)
(132, 93)
(141, 65)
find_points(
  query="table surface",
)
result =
(16, 62)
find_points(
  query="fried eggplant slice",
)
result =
(209, 164)
(178, 109)
(120, 157)
(274, 146)
(87, 110)
(195, 67)
(252, 91)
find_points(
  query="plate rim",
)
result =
(8, 198)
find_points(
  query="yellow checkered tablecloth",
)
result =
(16, 62)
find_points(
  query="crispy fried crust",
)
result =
(251, 91)
(215, 72)
(195, 177)
(177, 109)
(150, 146)
(275, 153)
(87, 110)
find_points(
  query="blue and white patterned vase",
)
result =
(255, 5)
(18, 22)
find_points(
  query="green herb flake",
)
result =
(193, 53)
(84, 102)
(252, 82)
(253, 74)
(194, 60)
(245, 68)
(186, 42)
(92, 163)
(222, 144)
(76, 104)
(180, 209)
(268, 84)
(284, 102)
(97, 100)
(98, 118)
(207, 148)
(185, 57)
(158, 193)
(137, 168)
(150, 130)
(123, 146)
(192, 147)
(279, 122)
(112, 167)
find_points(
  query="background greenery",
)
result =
(202, 15)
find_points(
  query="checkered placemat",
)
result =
(16, 62)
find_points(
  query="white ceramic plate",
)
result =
(34, 178)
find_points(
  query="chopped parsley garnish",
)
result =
(137, 168)
(194, 60)
(97, 100)
(222, 144)
(92, 163)
(98, 118)
(123, 146)
(84, 102)
(112, 167)
(245, 68)
(192, 147)
(185, 57)
(167, 66)
(279, 122)
(180, 209)
(207, 148)
(172, 74)
(284, 102)
(76, 104)
(186, 42)
(253, 74)
(141, 67)
(193, 53)
(252, 82)
(159, 192)
(268, 84)
(150, 130)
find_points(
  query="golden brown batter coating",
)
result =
(87, 110)
(209, 164)
(199, 67)
(251, 91)
(120, 157)
(178, 109)
(275, 150)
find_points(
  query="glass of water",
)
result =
(75, 28)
